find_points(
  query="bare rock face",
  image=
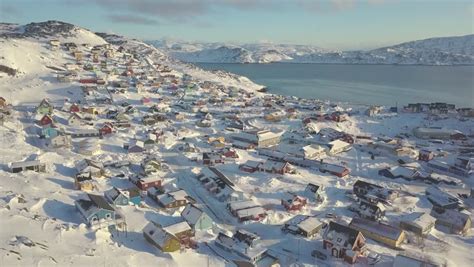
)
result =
(38, 29)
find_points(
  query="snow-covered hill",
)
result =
(25, 48)
(457, 50)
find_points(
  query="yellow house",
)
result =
(83, 183)
(161, 239)
(78, 55)
(380, 232)
(90, 110)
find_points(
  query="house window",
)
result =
(339, 240)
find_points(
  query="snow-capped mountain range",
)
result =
(458, 50)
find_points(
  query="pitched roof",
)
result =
(336, 230)
(157, 235)
(192, 214)
(100, 202)
(177, 228)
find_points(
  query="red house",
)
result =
(278, 167)
(293, 202)
(146, 100)
(106, 129)
(250, 166)
(343, 242)
(46, 120)
(88, 81)
(339, 171)
(338, 116)
(146, 182)
(425, 155)
(211, 158)
(458, 136)
(74, 108)
(127, 73)
(230, 153)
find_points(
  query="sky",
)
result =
(334, 24)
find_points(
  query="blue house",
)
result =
(49, 132)
(96, 211)
(196, 218)
(120, 197)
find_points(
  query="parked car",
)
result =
(373, 258)
(318, 254)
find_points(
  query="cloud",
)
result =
(185, 11)
(174, 10)
(131, 19)
(324, 6)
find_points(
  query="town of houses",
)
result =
(242, 176)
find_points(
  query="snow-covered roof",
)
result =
(440, 197)
(309, 224)
(378, 228)
(337, 144)
(423, 221)
(24, 164)
(177, 228)
(192, 214)
(312, 149)
(238, 205)
(156, 234)
(242, 213)
(400, 171)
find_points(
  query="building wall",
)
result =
(382, 239)
(204, 223)
(269, 142)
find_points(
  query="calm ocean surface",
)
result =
(362, 84)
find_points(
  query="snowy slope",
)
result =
(25, 48)
(434, 51)
(40, 226)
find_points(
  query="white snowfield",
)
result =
(457, 50)
(40, 225)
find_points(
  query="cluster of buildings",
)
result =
(143, 107)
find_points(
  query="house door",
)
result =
(334, 252)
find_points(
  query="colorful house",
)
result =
(343, 242)
(108, 128)
(173, 199)
(45, 107)
(3, 102)
(425, 155)
(161, 239)
(83, 182)
(196, 218)
(145, 183)
(49, 132)
(293, 202)
(75, 108)
(380, 232)
(75, 119)
(46, 120)
(96, 210)
(120, 197)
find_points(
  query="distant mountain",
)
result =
(457, 50)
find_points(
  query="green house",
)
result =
(197, 218)
(45, 107)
